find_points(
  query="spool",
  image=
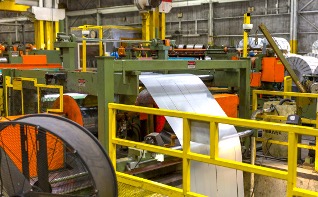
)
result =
(312, 55)
(303, 65)
(84, 116)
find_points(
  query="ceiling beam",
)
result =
(133, 8)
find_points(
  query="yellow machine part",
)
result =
(125, 190)
(9, 5)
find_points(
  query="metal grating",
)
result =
(125, 190)
(33, 158)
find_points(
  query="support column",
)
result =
(62, 26)
(39, 34)
(152, 25)
(49, 38)
(56, 30)
(105, 78)
(98, 19)
(66, 25)
(156, 14)
(145, 25)
(293, 26)
(244, 90)
(162, 26)
(247, 20)
(210, 24)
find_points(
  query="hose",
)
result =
(284, 100)
(256, 112)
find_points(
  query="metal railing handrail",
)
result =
(16, 84)
(290, 175)
(304, 120)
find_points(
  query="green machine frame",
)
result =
(121, 77)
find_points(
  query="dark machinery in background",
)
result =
(46, 155)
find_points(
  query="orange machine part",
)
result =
(70, 109)
(272, 70)
(235, 58)
(2, 48)
(229, 103)
(9, 118)
(121, 51)
(255, 79)
(34, 59)
(30, 66)
(10, 142)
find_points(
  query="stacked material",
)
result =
(188, 93)
(282, 43)
(312, 55)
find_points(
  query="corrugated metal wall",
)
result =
(193, 27)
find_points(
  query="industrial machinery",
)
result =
(119, 81)
(24, 55)
(37, 159)
(15, 56)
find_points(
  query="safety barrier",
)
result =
(290, 175)
(16, 84)
(274, 117)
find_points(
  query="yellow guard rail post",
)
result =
(100, 41)
(290, 175)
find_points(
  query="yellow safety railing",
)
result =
(100, 36)
(304, 120)
(16, 84)
(288, 81)
(290, 175)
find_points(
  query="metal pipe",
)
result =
(291, 21)
(16, 31)
(294, 25)
(306, 5)
(48, 3)
(40, 3)
(23, 36)
(254, 16)
(255, 113)
(266, 7)
(220, 36)
(309, 12)
(210, 23)
(245, 134)
(10, 24)
(253, 157)
(7, 32)
(282, 58)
